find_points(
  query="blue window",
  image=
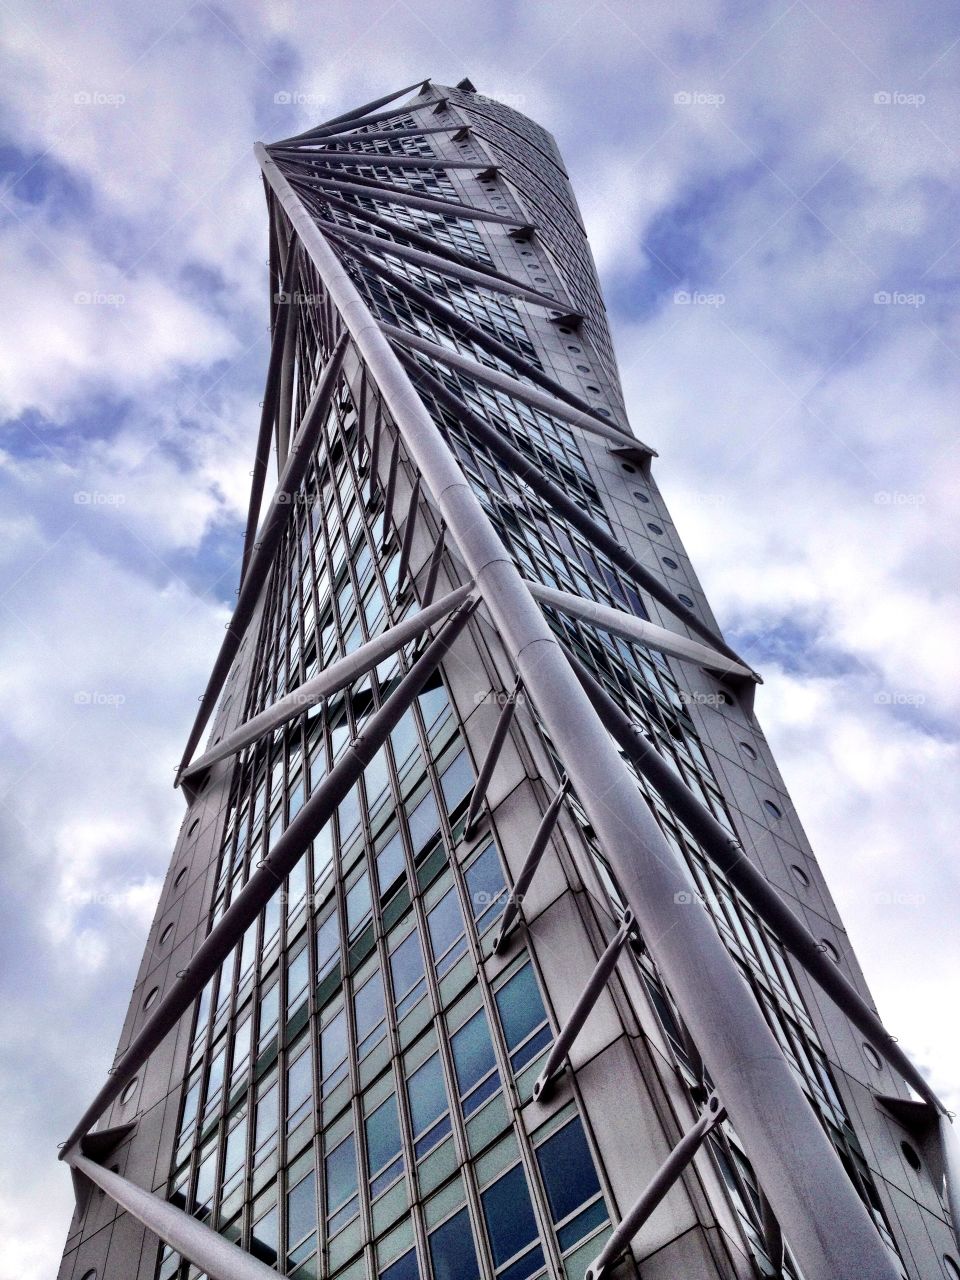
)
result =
(456, 781)
(358, 904)
(333, 1052)
(404, 1268)
(486, 888)
(407, 971)
(522, 1017)
(424, 823)
(384, 1160)
(452, 1251)
(572, 1186)
(341, 1168)
(370, 1014)
(475, 1064)
(390, 864)
(428, 1105)
(301, 1211)
(328, 945)
(447, 938)
(511, 1226)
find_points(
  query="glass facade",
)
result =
(356, 1096)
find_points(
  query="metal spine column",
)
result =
(823, 1219)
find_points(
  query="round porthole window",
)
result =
(166, 934)
(911, 1157)
(686, 600)
(181, 876)
(90, 1275)
(774, 810)
(129, 1090)
(748, 751)
(654, 528)
(800, 875)
(640, 497)
(871, 1055)
(670, 563)
(151, 998)
(572, 348)
(193, 826)
(829, 949)
(951, 1267)
(627, 467)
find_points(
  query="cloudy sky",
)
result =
(767, 187)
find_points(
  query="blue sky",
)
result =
(769, 191)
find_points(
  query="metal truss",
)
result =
(805, 1189)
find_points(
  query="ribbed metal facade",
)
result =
(358, 1091)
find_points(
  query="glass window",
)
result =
(383, 1145)
(486, 888)
(452, 1251)
(522, 1017)
(447, 938)
(328, 945)
(456, 781)
(333, 1052)
(358, 904)
(474, 1062)
(390, 864)
(408, 974)
(341, 1169)
(265, 1237)
(265, 1131)
(371, 1013)
(511, 1225)
(404, 1268)
(424, 823)
(571, 1182)
(301, 1210)
(299, 1090)
(428, 1105)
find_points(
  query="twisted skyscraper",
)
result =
(491, 945)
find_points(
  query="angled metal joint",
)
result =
(665, 1177)
(497, 740)
(581, 1010)
(537, 849)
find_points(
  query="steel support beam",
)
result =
(481, 279)
(472, 332)
(268, 412)
(285, 401)
(349, 117)
(633, 628)
(326, 159)
(495, 746)
(537, 848)
(374, 190)
(273, 870)
(581, 1010)
(433, 569)
(824, 1220)
(665, 1177)
(264, 548)
(526, 470)
(729, 858)
(329, 682)
(508, 385)
(216, 1256)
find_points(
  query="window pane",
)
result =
(383, 1134)
(445, 923)
(333, 1043)
(509, 1215)
(298, 1083)
(302, 1210)
(358, 903)
(456, 781)
(404, 1268)
(390, 864)
(428, 1097)
(486, 887)
(369, 1006)
(424, 823)
(472, 1052)
(566, 1167)
(452, 1251)
(520, 1006)
(264, 1238)
(406, 965)
(328, 944)
(341, 1165)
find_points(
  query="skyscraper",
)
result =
(491, 944)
